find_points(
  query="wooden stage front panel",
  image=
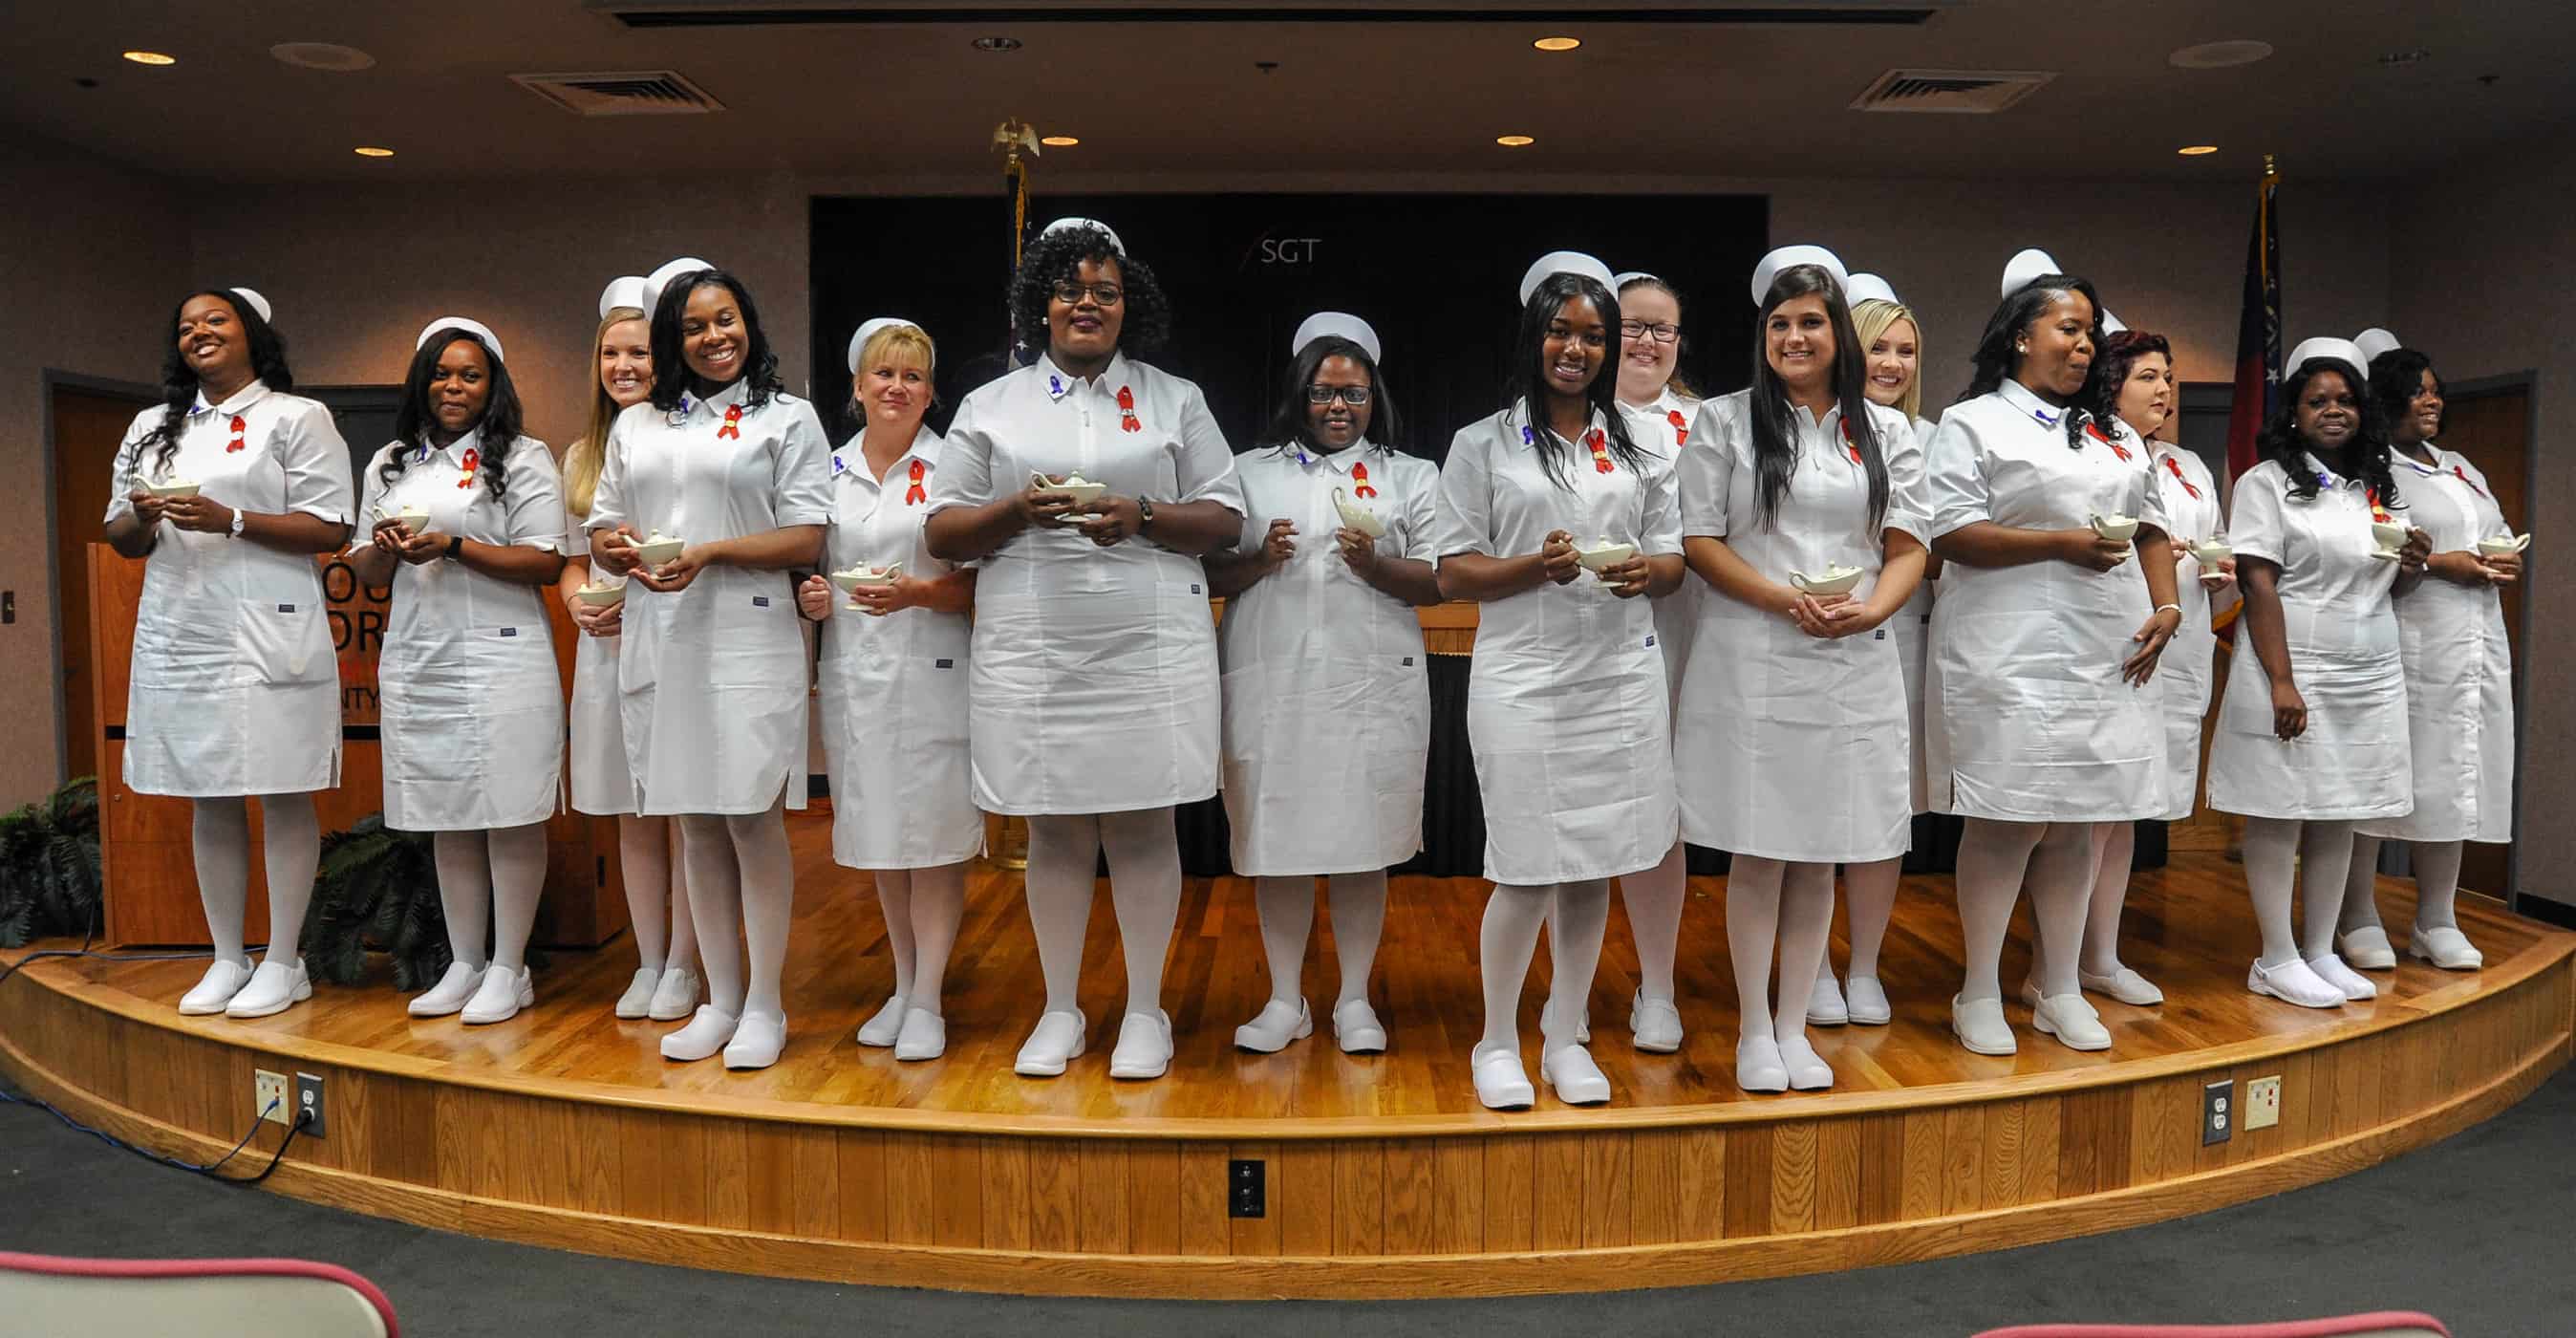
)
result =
(1382, 1175)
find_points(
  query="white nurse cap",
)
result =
(623, 292)
(1565, 262)
(1861, 288)
(257, 302)
(1068, 224)
(1620, 281)
(2030, 264)
(859, 341)
(2326, 346)
(1788, 257)
(661, 278)
(1342, 323)
(2111, 324)
(473, 327)
(2373, 342)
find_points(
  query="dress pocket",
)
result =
(284, 642)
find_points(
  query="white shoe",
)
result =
(273, 988)
(2354, 985)
(2445, 947)
(2293, 982)
(882, 1029)
(1501, 1082)
(2072, 1021)
(2125, 985)
(1808, 1071)
(1577, 1080)
(1825, 1007)
(450, 994)
(1655, 1025)
(1866, 1000)
(1355, 1025)
(1278, 1024)
(706, 1034)
(924, 1036)
(638, 998)
(1144, 1048)
(500, 997)
(216, 988)
(1582, 1021)
(676, 996)
(1759, 1066)
(1979, 1024)
(2368, 948)
(1056, 1041)
(757, 1039)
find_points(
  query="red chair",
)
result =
(2377, 1324)
(204, 1298)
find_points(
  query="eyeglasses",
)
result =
(1354, 396)
(1102, 294)
(1661, 334)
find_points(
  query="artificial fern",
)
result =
(49, 867)
(376, 886)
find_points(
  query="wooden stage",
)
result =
(1381, 1175)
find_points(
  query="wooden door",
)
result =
(2493, 429)
(88, 426)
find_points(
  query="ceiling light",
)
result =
(998, 44)
(1060, 141)
(2196, 150)
(2396, 58)
(329, 56)
(2219, 55)
(374, 151)
(1557, 43)
(150, 58)
(1514, 141)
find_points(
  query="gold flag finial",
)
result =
(1012, 136)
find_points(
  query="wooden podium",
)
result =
(144, 844)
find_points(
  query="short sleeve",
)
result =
(1256, 513)
(609, 504)
(1705, 473)
(129, 466)
(1908, 503)
(2153, 513)
(1463, 522)
(965, 473)
(1659, 519)
(1955, 477)
(1203, 463)
(2256, 525)
(371, 487)
(535, 501)
(1421, 518)
(316, 461)
(800, 473)
(576, 540)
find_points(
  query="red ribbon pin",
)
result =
(2176, 467)
(1359, 480)
(1127, 411)
(916, 495)
(2461, 474)
(1681, 427)
(473, 460)
(236, 444)
(1599, 441)
(1848, 444)
(2094, 430)
(732, 423)
(2378, 513)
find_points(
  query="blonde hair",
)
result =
(898, 344)
(1870, 319)
(583, 458)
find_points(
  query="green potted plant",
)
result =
(49, 869)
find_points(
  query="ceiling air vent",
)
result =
(649, 93)
(1975, 91)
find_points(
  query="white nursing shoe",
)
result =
(273, 988)
(452, 992)
(2331, 969)
(676, 996)
(706, 1034)
(1577, 1080)
(1501, 1082)
(924, 1036)
(2072, 1021)
(1144, 1048)
(1979, 1024)
(2125, 985)
(1655, 1024)
(1825, 1007)
(1056, 1041)
(1865, 999)
(2368, 948)
(637, 1001)
(757, 1041)
(2294, 982)
(500, 997)
(216, 988)
(1355, 1025)
(2445, 947)
(884, 1028)
(1759, 1065)
(1808, 1071)
(1279, 1023)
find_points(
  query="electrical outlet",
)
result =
(268, 1097)
(308, 1100)
(2217, 1111)
(1245, 1188)
(2263, 1102)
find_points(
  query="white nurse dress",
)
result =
(2188, 668)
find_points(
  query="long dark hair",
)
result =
(671, 375)
(2395, 378)
(1289, 423)
(179, 384)
(1775, 433)
(1145, 320)
(1544, 303)
(493, 432)
(2280, 442)
(1996, 361)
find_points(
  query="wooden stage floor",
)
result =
(937, 1173)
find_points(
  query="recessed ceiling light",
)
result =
(2196, 150)
(151, 58)
(330, 56)
(2219, 55)
(374, 151)
(1514, 141)
(2394, 59)
(1060, 141)
(1557, 43)
(998, 44)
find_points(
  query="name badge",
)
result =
(760, 601)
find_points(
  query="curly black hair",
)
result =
(1530, 353)
(1145, 319)
(2281, 444)
(179, 384)
(494, 431)
(1775, 429)
(1995, 358)
(1290, 422)
(2396, 378)
(671, 375)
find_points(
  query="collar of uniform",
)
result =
(2326, 478)
(2161, 451)
(1833, 414)
(241, 399)
(852, 459)
(1533, 426)
(1060, 383)
(2028, 404)
(425, 448)
(2439, 465)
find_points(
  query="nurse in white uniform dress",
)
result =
(894, 683)
(465, 518)
(1096, 706)
(1327, 698)
(2312, 732)
(1566, 705)
(235, 689)
(1807, 522)
(2044, 640)
(712, 666)
(2459, 677)
(665, 987)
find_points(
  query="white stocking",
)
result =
(1359, 914)
(1654, 900)
(2361, 887)
(2325, 857)
(1806, 920)
(684, 922)
(518, 880)
(1753, 888)
(768, 903)
(219, 837)
(2271, 848)
(938, 906)
(715, 906)
(465, 893)
(293, 841)
(1582, 913)
(894, 898)
(2060, 879)
(1869, 902)
(1064, 851)
(2437, 884)
(1145, 888)
(1513, 915)
(2110, 891)
(1287, 906)
(644, 857)
(1993, 856)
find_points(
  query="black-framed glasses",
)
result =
(1103, 294)
(1354, 396)
(1661, 333)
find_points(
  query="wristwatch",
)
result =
(455, 546)
(1144, 515)
(237, 522)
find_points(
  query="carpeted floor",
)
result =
(2473, 1230)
